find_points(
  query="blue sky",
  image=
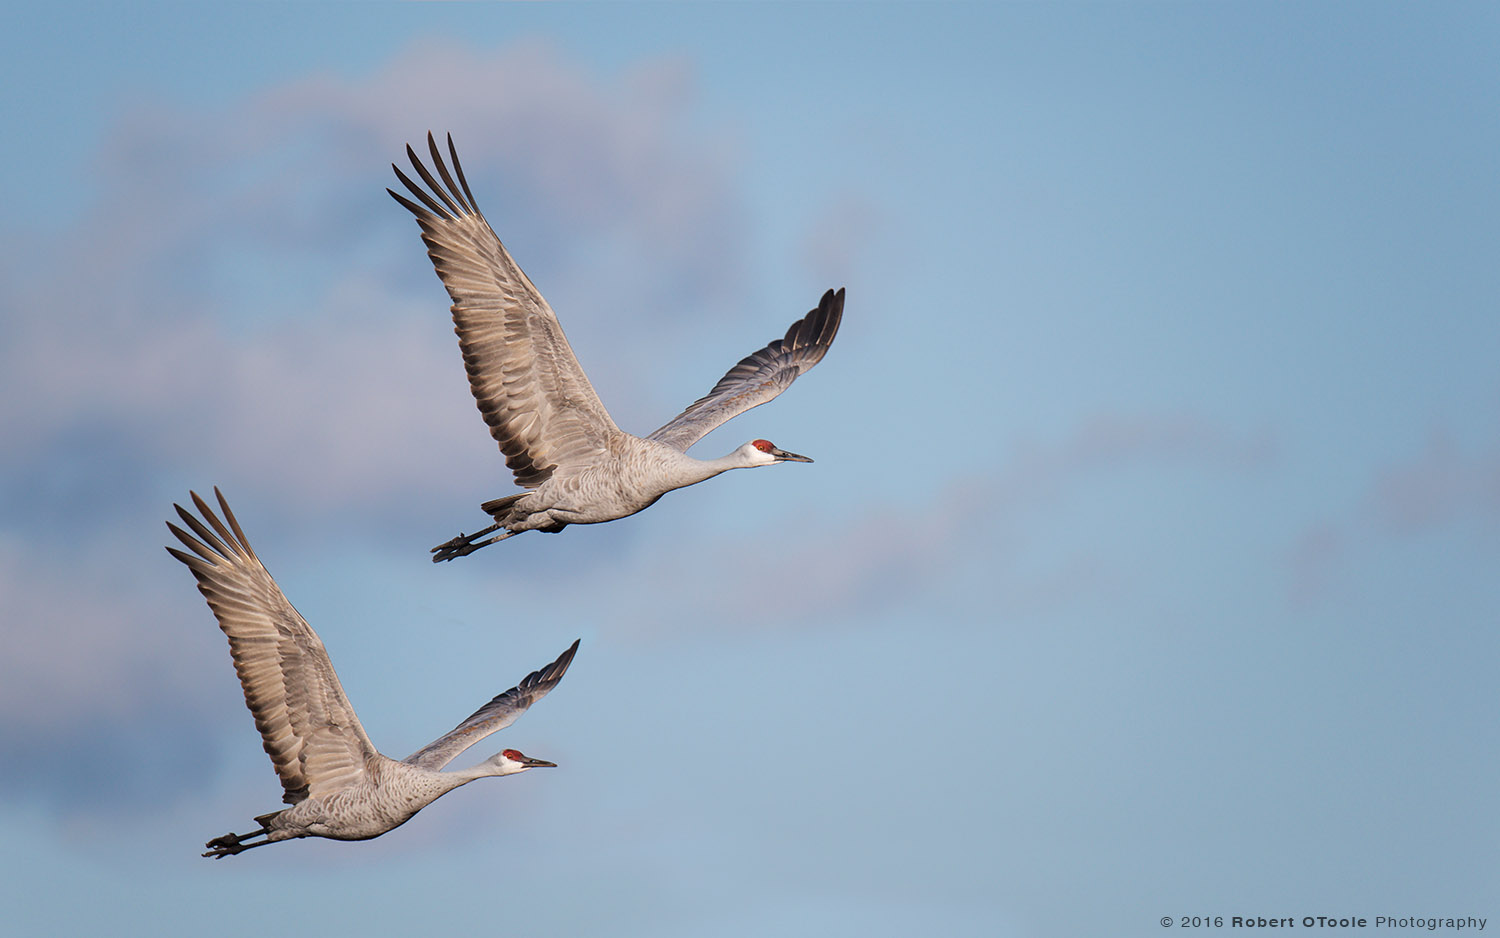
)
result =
(1147, 567)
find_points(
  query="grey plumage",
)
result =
(338, 785)
(557, 437)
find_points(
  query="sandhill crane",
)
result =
(337, 784)
(557, 438)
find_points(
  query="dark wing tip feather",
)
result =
(458, 168)
(818, 328)
(219, 527)
(544, 678)
(404, 201)
(234, 524)
(834, 303)
(208, 539)
(208, 555)
(431, 180)
(433, 207)
(806, 341)
(408, 204)
(459, 201)
(455, 197)
(552, 673)
(194, 563)
(215, 540)
(442, 168)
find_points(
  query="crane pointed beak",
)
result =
(531, 763)
(784, 456)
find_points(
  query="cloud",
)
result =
(922, 542)
(241, 304)
(1443, 486)
(102, 695)
(1314, 560)
(607, 175)
(243, 298)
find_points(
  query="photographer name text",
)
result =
(1428, 923)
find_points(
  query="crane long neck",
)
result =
(453, 778)
(691, 470)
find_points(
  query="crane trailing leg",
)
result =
(230, 844)
(504, 513)
(468, 543)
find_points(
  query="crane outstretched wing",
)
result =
(306, 723)
(496, 715)
(759, 377)
(525, 378)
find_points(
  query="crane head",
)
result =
(511, 761)
(765, 453)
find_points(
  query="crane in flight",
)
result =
(557, 438)
(336, 782)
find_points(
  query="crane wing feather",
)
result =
(760, 376)
(536, 399)
(307, 726)
(496, 715)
